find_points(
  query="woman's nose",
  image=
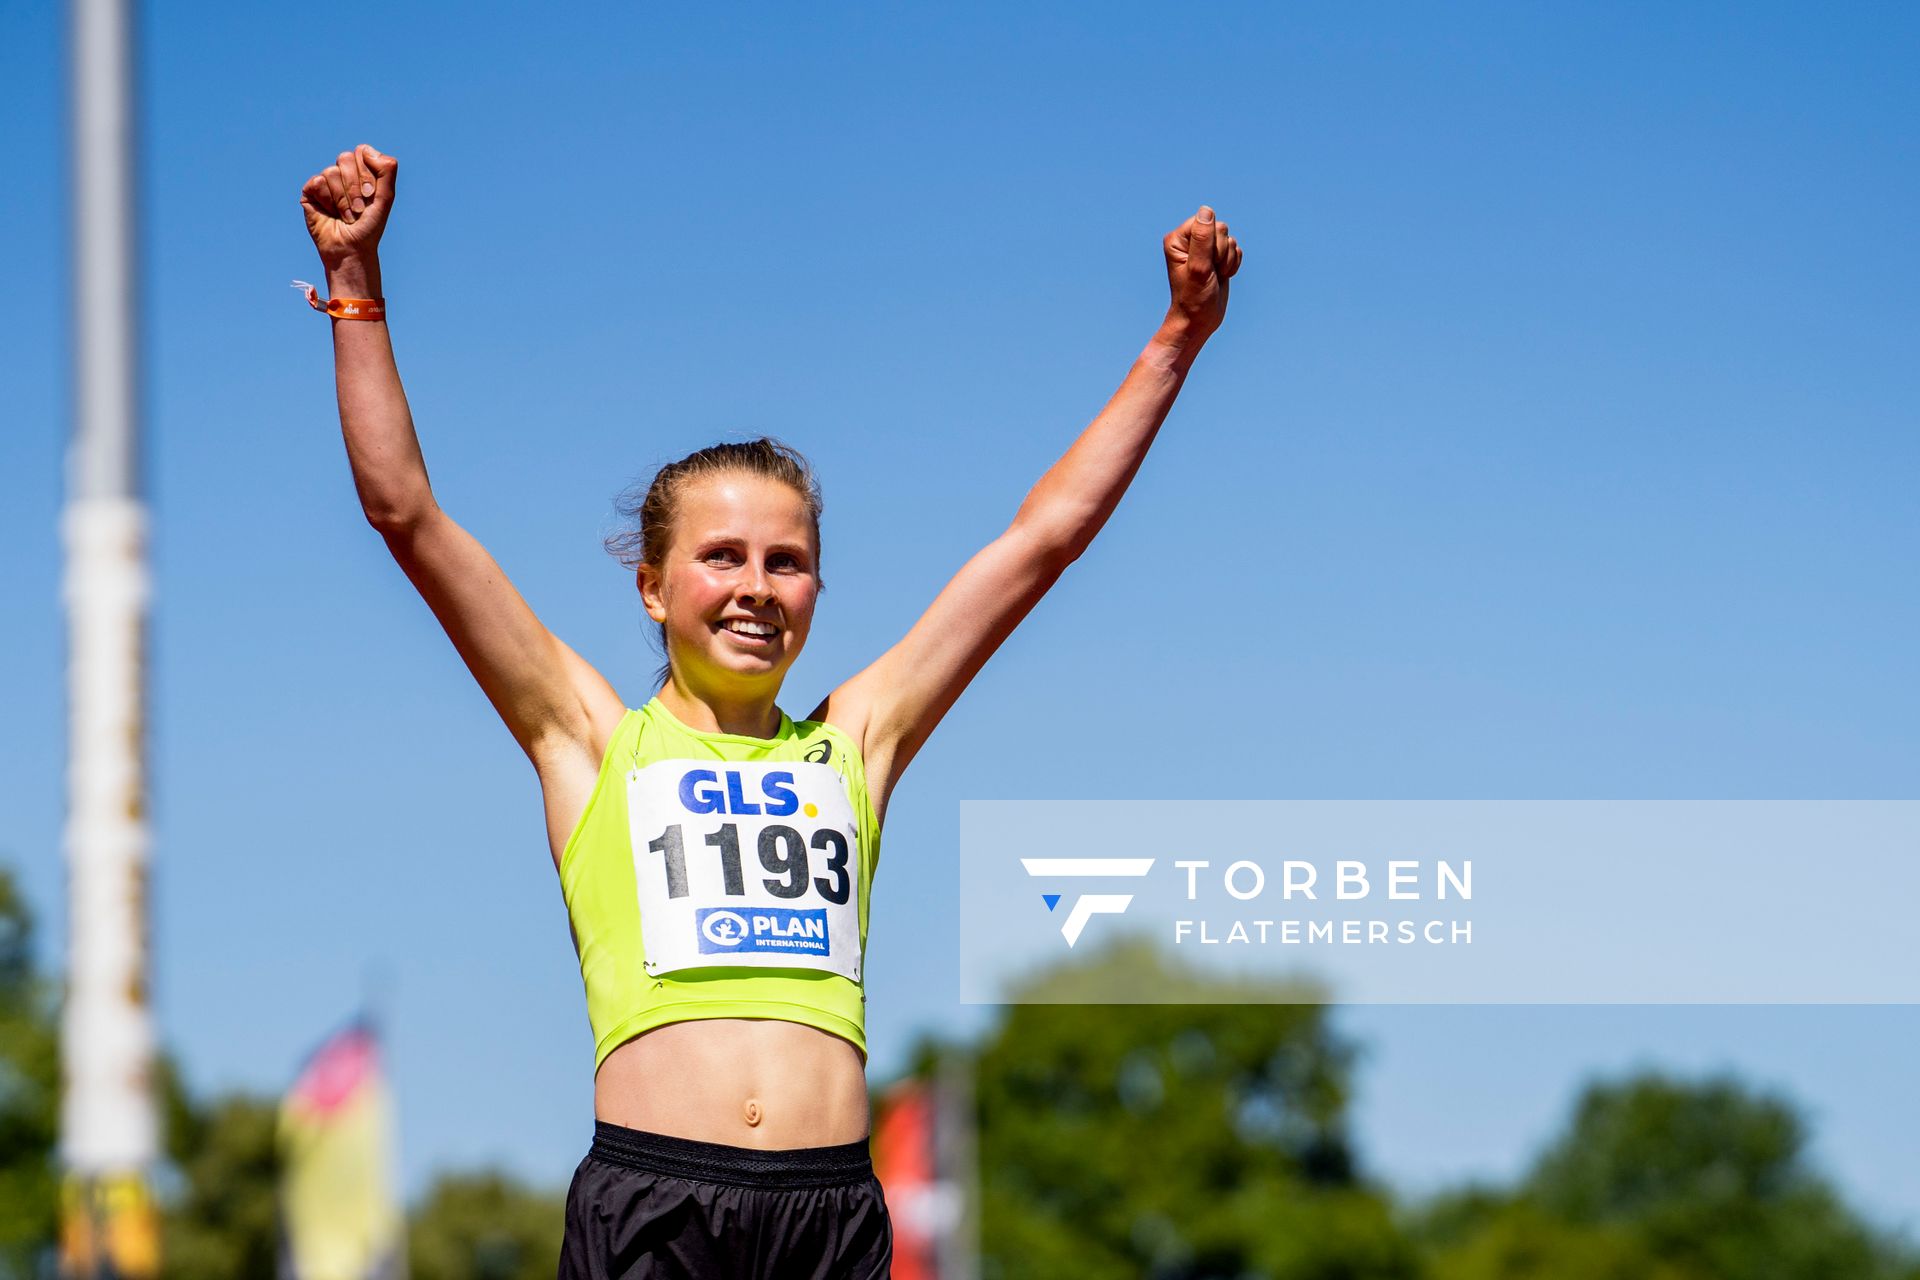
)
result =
(756, 588)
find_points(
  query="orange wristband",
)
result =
(345, 308)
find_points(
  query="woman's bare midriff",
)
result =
(747, 1082)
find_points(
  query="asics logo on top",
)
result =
(1087, 905)
(821, 752)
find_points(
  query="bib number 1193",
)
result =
(783, 852)
(745, 864)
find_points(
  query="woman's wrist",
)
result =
(1179, 338)
(354, 278)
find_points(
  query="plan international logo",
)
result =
(1087, 905)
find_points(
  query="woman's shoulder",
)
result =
(842, 715)
(822, 740)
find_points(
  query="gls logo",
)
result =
(1087, 904)
(700, 792)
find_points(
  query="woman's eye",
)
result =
(720, 555)
(784, 564)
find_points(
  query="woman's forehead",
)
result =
(741, 503)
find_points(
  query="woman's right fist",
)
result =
(347, 202)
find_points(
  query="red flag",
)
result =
(903, 1157)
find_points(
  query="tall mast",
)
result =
(108, 1124)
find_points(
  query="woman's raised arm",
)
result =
(559, 709)
(893, 705)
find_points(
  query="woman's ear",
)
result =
(647, 578)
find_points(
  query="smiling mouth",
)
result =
(748, 629)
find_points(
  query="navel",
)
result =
(752, 1110)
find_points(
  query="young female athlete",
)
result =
(716, 855)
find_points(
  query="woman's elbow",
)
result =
(1052, 544)
(390, 518)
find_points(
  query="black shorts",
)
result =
(644, 1206)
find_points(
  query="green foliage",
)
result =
(219, 1212)
(484, 1226)
(1172, 1141)
(1664, 1180)
(1710, 1176)
(29, 1094)
(1208, 1139)
(1512, 1240)
(1653, 1151)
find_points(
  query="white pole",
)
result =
(107, 1121)
(956, 1147)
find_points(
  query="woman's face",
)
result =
(737, 589)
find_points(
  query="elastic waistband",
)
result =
(716, 1162)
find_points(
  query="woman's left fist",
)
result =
(1202, 256)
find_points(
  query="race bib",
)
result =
(745, 864)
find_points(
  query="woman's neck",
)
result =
(712, 711)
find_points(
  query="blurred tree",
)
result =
(1488, 1235)
(1663, 1180)
(1172, 1141)
(29, 1095)
(219, 1213)
(1709, 1175)
(484, 1226)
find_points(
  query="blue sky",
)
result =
(1559, 444)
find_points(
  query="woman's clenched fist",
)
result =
(347, 202)
(1201, 257)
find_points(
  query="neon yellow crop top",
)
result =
(719, 876)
